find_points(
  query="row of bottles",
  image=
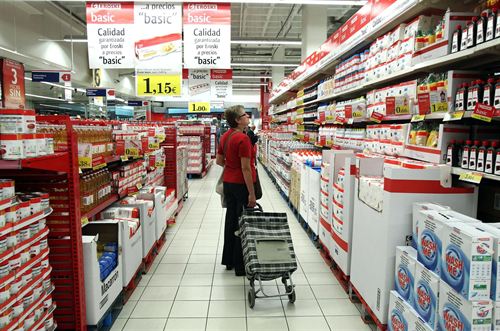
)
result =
(468, 95)
(95, 187)
(100, 137)
(477, 155)
(480, 29)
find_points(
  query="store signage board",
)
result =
(110, 29)
(13, 89)
(134, 103)
(158, 36)
(207, 35)
(157, 83)
(483, 112)
(50, 76)
(221, 84)
(199, 84)
(96, 92)
(199, 107)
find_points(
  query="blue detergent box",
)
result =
(401, 317)
(404, 271)
(426, 294)
(466, 260)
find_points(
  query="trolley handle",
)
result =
(257, 207)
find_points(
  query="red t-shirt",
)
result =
(239, 146)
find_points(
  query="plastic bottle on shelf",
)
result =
(463, 40)
(496, 160)
(461, 97)
(459, 147)
(482, 23)
(471, 32)
(496, 98)
(473, 155)
(488, 92)
(465, 154)
(491, 24)
(456, 40)
(474, 94)
(481, 155)
(490, 157)
(451, 154)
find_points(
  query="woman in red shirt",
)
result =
(239, 178)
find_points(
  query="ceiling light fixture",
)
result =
(269, 64)
(42, 97)
(75, 39)
(267, 42)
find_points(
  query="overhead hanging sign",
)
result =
(110, 27)
(221, 84)
(207, 35)
(50, 76)
(150, 83)
(96, 92)
(158, 36)
(199, 84)
(199, 107)
(13, 89)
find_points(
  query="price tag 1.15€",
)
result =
(158, 84)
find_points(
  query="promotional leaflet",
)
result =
(221, 84)
(158, 36)
(110, 28)
(207, 35)
(199, 85)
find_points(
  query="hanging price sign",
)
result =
(199, 107)
(417, 118)
(483, 112)
(158, 84)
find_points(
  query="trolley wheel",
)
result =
(251, 297)
(291, 296)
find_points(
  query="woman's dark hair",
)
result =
(232, 114)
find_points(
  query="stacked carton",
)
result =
(448, 279)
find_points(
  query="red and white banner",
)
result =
(158, 36)
(13, 90)
(221, 84)
(207, 35)
(110, 28)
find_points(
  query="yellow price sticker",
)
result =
(124, 158)
(199, 107)
(158, 85)
(439, 107)
(139, 186)
(131, 152)
(85, 220)
(300, 111)
(85, 162)
(402, 109)
(455, 116)
(99, 166)
(417, 118)
(154, 145)
(357, 114)
(481, 117)
(471, 177)
(161, 137)
(159, 164)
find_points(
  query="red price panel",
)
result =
(13, 91)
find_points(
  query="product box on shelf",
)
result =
(304, 193)
(131, 238)
(165, 206)
(405, 182)
(100, 293)
(430, 234)
(466, 260)
(444, 45)
(426, 294)
(418, 216)
(404, 273)
(457, 313)
(496, 316)
(147, 217)
(401, 316)
(313, 203)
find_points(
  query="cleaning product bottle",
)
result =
(473, 155)
(456, 39)
(481, 155)
(451, 154)
(482, 23)
(471, 32)
(465, 154)
(490, 157)
(489, 92)
(492, 24)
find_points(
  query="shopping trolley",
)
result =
(268, 251)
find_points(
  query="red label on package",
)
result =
(322, 117)
(390, 105)
(306, 137)
(376, 117)
(152, 161)
(348, 111)
(424, 103)
(322, 140)
(340, 119)
(483, 112)
(120, 147)
(98, 161)
(13, 92)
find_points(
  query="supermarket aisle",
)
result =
(188, 289)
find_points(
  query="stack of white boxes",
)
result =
(449, 274)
